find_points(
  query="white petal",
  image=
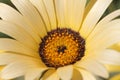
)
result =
(9, 14)
(34, 73)
(53, 76)
(106, 38)
(68, 13)
(14, 70)
(93, 16)
(19, 68)
(14, 46)
(42, 10)
(50, 7)
(104, 21)
(47, 74)
(65, 73)
(7, 58)
(74, 13)
(76, 75)
(60, 6)
(109, 17)
(18, 33)
(86, 75)
(93, 66)
(28, 11)
(109, 57)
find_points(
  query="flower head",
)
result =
(58, 39)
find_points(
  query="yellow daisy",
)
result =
(58, 39)
(0, 70)
(114, 70)
(116, 77)
(116, 47)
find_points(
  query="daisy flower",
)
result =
(116, 77)
(0, 70)
(116, 47)
(113, 68)
(58, 39)
(115, 72)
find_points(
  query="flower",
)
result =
(1, 67)
(116, 47)
(114, 70)
(116, 77)
(58, 39)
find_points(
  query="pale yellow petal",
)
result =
(89, 65)
(19, 68)
(14, 70)
(53, 76)
(106, 38)
(34, 73)
(116, 77)
(11, 15)
(7, 58)
(50, 7)
(30, 12)
(86, 75)
(60, 6)
(65, 73)
(109, 17)
(68, 13)
(47, 74)
(100, 26)
(109, 56)
(19, 34)
(43, 12)
(93, 17)
(77, 75)
(15, 46)
(75, 10)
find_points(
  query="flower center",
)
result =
(61, 47)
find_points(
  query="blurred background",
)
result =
(113, 70)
